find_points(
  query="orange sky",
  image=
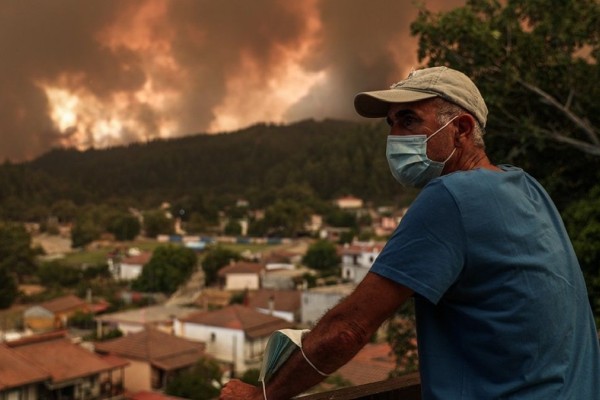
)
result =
(98, 73)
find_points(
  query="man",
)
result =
(501, 305)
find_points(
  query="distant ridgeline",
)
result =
(333, 158)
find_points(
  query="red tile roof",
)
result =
(283, 300)
(372, 364)
(17, 371)
(241, 267)
(144, 395)
(64, 303)
(253, 323)
(55, 354)
(165, 351)
(139, 259)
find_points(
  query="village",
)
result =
(138, 352)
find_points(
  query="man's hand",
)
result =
(238, 390)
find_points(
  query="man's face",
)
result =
(419, 118)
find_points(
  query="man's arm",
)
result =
(336, 338)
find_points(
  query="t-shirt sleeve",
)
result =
(426, 253)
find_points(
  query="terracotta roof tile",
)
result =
(145, 395)
(283, 300)
(17, 371)
(241, 267)
(156, 347)
(63, 303)
(139, 259)
(55, 354)
(253, 323)
(372, 364)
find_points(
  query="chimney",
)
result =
(271, 304)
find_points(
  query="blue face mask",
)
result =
(408, 161)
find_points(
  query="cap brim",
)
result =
(376, 104)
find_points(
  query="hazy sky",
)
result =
(105, 72)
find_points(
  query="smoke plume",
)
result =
(98, 73)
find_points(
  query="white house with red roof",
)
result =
(241, 275)
(357, 259)
(129, 267)
(235, 335)
(284, 304)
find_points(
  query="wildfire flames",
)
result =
(105, 72)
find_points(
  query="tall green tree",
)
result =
(16, 254)
(201, 382)
(321, 255)
(169, 267)
(156, 223)
(124, 226)
(8, 288)
(216, 258)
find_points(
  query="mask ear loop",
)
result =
(264, 389)
(445, 125)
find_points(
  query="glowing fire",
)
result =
(152, 110)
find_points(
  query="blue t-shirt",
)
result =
(501, 305)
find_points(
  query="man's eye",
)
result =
(408, 121)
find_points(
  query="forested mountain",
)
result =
(332, 158)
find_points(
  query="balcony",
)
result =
(406, 387)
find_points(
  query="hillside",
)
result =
(333, 158)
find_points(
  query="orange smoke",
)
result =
(105, 72)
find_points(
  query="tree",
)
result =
(16, 255)
(8, 287)
(536, 55)
(216, 258)
(84, 232)
(286, 218)
(156, 223)
(582, 219)
(533, 62)
(169, 267)
(124, 227)
(233, 228)
(56, 274)
(201, 382)
(321, 255)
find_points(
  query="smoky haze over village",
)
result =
(180, 179)
(106, 73)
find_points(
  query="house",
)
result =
(236, 335)
(53, 314)
(283, 276)
(357, 259)
(284, 304)
(19, 378)
(128, 267)
(72, 372)
(316, 301)
(348, 202)
(132, 321)
(241, 275)
(154, 357)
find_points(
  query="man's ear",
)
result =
(465, 124)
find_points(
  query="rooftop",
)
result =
(54, 353)
(165, 351)
(158, 313)
(253, 323)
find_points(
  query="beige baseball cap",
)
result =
(421, 84)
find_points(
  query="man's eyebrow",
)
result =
(399, 114)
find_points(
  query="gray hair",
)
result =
(446, 111)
